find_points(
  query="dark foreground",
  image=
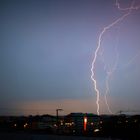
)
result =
(75, 126)
(26, 136)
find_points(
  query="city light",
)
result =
(25, 125)
(96, 130)
(85, 123)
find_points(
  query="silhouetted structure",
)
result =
(121, 126)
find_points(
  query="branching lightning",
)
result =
(128, 8)
(105, 29)
(132, 59)
(109, 75)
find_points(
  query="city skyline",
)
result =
(47, 50)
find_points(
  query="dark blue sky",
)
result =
(47, 49)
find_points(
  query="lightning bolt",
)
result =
(105, 29)
(108, 77)
(128, 8)
(132, 59)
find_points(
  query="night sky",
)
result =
(46, 51)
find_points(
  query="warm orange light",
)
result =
(85, 120)
(25, 125)
(85, 123)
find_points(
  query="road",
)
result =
(25, 136)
